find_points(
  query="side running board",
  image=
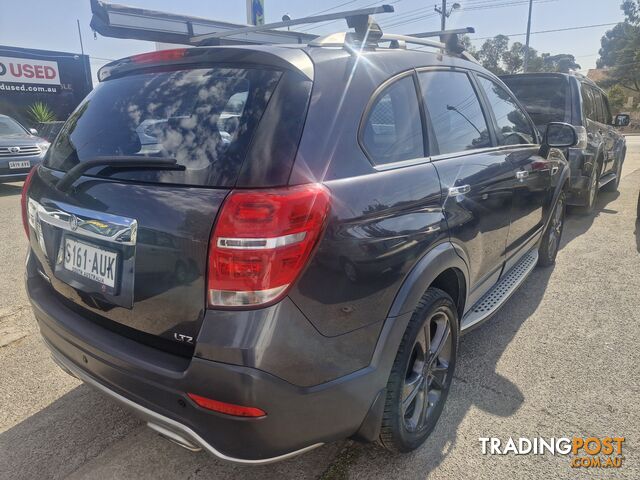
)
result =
(500, 292)
(609, 177)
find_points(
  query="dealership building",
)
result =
(59, 80)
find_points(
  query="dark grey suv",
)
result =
(596, 160)
(260, 249)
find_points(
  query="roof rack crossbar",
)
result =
(449, 41)
(389, 37)
(440, 33)
(354, 18)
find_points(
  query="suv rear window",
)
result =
(546, 99)
(204, 118)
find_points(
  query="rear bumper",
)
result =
(165, 426)
(13, 177)
(153, 384)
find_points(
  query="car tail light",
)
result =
(227, 408)
(261, 242)
(24, 201)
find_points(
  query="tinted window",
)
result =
(204, 118)
(514, 127)
(546, 99)
(597, 100)
(607, 112)
(10, 127)
(454, 111)
(393, 130)
(588, 108)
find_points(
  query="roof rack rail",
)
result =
(360, 20)
(451, 40)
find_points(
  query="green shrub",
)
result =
(40, 112)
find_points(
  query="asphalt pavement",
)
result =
(560, 359)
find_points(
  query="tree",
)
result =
(496, 56)
(562, 63)
(492, 52)
(616, 98)
(513, 58)
(631, 9)
(620, 52)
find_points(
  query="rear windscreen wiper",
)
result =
(117, 162)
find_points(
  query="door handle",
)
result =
(522, 174)
(461, 190)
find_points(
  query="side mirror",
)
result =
(33, 131)
(621, 120)
(560, 135)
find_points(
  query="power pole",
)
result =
(82, 58)
(444, 13)
(526, 48)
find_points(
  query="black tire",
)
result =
(420, 371)
(550, 242)
(592, 195)
(638, 212)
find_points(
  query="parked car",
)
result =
(332, 154)
(596, 161)
(20, 150)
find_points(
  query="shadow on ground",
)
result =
(7, 190)
(578, 224)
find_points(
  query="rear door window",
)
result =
(204, 118)
(454, 111)
(392, 131)
(514, 127)
(588, 107)
(597, 100)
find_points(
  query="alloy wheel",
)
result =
(428, 373)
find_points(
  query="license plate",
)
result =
(91, 262)
(20, 164)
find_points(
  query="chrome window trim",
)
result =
(365, 116)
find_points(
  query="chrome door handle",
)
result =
(554, 170)
(461, 190)
(522, 174)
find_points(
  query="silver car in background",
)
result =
(20, 150)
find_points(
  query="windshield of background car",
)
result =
(203, 118)
(10, 127)
(546, 99)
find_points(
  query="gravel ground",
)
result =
(560, 359)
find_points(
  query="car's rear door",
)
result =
(531, 180)
(609, 134)
(597, 131)
(477, 179)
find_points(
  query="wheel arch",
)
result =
(442, 267)
(440, 263)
